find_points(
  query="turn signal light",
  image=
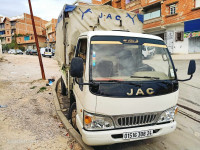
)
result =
(176, 111)
(88, 119)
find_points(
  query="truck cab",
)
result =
(117, 95)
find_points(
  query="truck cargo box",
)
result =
(74, 20)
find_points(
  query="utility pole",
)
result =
(36, 41)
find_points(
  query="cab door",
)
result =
(80, 90)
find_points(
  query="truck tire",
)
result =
(49, 56)
(63, 88)
(72, 115)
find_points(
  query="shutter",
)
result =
(176, 36)
(182, 35)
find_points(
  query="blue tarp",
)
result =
(140, 17)
(191, 26)
(69, 8)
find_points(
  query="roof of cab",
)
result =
(120, 33)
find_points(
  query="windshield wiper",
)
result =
(116, 81)
(146, 77)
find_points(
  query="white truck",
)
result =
(115, 95)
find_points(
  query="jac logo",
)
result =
(87, 11)
(149, 91)
(107, 16)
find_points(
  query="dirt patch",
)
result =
(29, 121)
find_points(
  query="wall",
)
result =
(179, 46)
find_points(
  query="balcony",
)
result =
(152, 15)
(152, 20)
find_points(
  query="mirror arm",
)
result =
(186, 79)
(82, 83)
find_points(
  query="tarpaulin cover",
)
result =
(191, 26)
(84, 17)
(69, 8)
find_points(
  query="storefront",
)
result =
(192, 32)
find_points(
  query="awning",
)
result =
(192, 26)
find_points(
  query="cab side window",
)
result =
(82, 49)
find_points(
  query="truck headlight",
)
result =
(97, 122)
(168, 115)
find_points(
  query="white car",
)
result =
(148, 51)
(12, 51)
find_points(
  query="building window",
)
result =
(172, 9)
(7, 32)
(31, 37)
(1, 26)
(197, 3)
(179, 36)
(8, 39)
(26, 38)
(2, 32)
(152, 15)
(13, 23)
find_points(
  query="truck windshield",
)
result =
(129, 59)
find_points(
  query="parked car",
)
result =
(33, 52)
(148, 51)
(53, 50)
(12, 51)
(28, 51)
(42, 50)
(18, 51)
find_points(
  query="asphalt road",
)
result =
(187, 134)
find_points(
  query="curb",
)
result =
(64, 120)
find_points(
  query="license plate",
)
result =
(137, 134)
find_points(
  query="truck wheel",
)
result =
(49, 56)
(63, 87)
(72, 116)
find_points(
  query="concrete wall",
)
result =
(179, 46)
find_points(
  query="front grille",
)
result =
(136, 120)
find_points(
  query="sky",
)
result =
(45, 9)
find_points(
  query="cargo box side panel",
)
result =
(59, 52)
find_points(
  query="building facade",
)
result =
(20, 28)
(176, 21)
(51, 33)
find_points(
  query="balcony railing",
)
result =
(152, 15)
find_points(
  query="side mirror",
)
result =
(76, 68)
(191, 67)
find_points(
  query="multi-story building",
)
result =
(121, 4)
(171, 19)
(51, 33)
(20, 27)
(176, 21)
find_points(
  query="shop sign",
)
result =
(192, 34)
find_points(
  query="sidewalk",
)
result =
(185, 56)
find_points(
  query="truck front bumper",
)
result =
(108, 137)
